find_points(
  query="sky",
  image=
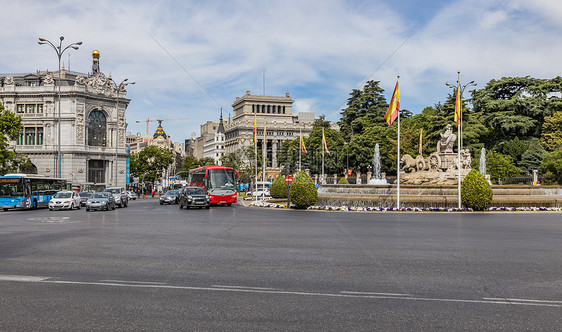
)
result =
(190, 58)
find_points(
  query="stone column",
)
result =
(369, 174)
(335, 178)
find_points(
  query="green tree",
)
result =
(515, 107)
(551, 136)
(150, 161)
(500, 166)
(532, 157)
(279, 187)
(232, 160)
(10, 128)
(476, 192)
(552, 165)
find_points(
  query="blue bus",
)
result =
(28, 191)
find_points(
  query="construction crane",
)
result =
(158, 120)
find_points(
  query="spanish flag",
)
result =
(254, 130)
(393, 107)
(324, 142)
(303, 148)
(458, 106)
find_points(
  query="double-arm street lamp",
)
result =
(118, 88)
(59, 50)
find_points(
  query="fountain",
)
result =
(377, 168)
(482, 168)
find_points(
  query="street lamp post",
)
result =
(118, 88)
(59, 50)
(460, 91)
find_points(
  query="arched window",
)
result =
(97, 129)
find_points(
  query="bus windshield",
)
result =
(221, 179)
(11, 189)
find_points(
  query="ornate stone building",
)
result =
(91, 126)
(273, 113)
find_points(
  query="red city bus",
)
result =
(219, 182)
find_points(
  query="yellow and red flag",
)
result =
(420, 144)
(393, 107)
(458, 106)
(254, 130)
(324, 142)
(303, 148)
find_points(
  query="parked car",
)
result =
(65, 200)
(132, 195)
(101, 201)
(193, 196)
(170, 197)
(120, 196)
(84, 196)
(261, 189)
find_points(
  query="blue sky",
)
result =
(318, 51)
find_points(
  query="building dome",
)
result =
(96, 54)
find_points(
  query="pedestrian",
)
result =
(152, 194)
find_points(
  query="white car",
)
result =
(261, 190)
(64, 200)
(132, 195)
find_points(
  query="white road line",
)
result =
(22, 278)
(245, 287)
(381, 294)
(521, 302)
(135, 282)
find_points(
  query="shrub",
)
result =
(279, 187)
(303, 191)
(476, 192)
(343, 181)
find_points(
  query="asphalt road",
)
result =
(158, 268)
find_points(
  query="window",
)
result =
(30, 108)
(19, 108)
(97, 129)
(39, 108)
(30, 136)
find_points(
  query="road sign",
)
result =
(349, 171)
(288, 179)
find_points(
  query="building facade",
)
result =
(273, 113)
(88, 129)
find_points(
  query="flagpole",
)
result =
(255, 158)
(263, 152)
(460, 136)
(322, 181)
(398, 160)
(300, 150)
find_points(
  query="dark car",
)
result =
(193, 196)
(101, 201)
(84, 196)
(170, 197)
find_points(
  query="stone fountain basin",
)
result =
(426, 196)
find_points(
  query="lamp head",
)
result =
(61, 38)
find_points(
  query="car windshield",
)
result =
(171, 193)
(101, 195)
(114, 190)
(85, 194)
(63, 195)
(195, 191)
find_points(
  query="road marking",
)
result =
(380, 294)
(521, 300)
(256, 290)
(22, 278)
(245, 287)
(136, 282)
